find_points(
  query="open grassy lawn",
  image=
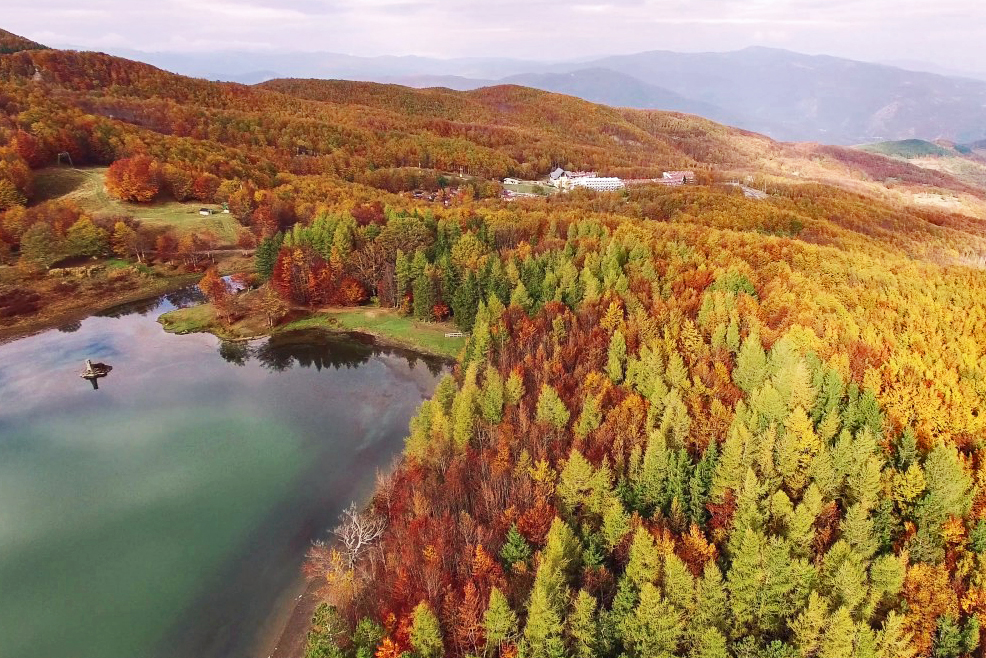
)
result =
(389, 325)
(907, 148)
(386, 324)
(202, 318)
(530, 188)
(87, 188)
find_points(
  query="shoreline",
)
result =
(340, 321)
(34, 325)
(285, 632)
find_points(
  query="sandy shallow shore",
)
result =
(284, 634)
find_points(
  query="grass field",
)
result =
(907, 148)
(87, 188)
(388, 324)
(530, 188)
(385, 324)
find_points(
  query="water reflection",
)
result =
(319, 350)
(235, 352)
(164, 515)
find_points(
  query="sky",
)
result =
(948, 33)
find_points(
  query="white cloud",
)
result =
(943, 30)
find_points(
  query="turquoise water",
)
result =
(165, 513)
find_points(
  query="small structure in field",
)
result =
(205, 211)
(679, 177)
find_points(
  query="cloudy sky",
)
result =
(950, 33)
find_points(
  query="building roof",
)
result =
(557, 173)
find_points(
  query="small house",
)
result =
(205, 211)
(678, 177)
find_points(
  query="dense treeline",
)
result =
(679, 439)
(91, 106)
(12, 43)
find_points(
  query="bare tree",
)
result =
(357, 531)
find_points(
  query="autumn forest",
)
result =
(685, 422)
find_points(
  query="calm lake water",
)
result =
(166, 513)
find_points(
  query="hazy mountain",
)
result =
(792, 96)
(456, 82)
(786, 95)
(928, 67)
(595, 85)
(243, 66)
(612, 88)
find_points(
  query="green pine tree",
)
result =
(492, 396)
(499, 622)
(582, 628)
(426, 633)
(515, 548)
(266, 255)
(551, 409)
(590, 418)
(655, 628)
(751, 365)
(617, 357)
(514, 389)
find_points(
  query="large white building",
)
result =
(597, 184)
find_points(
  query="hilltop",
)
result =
(784, 94)
(339, 126)
(12, 43)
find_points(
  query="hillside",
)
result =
(684, 421)
(11, 43)
(493, 132)
(962, 162)
(610, 88)
(783, 94)
(907, 149)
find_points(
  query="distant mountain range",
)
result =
(786, 95)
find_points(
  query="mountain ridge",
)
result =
(786, 95)
(12, 43)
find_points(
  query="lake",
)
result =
(168, 512)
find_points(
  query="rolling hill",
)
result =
(369, 132)
(964, 162)
(783, 94)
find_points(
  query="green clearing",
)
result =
(530, 188)
(907, 149)
(87, 188)
(202, 319)
(385, 324)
